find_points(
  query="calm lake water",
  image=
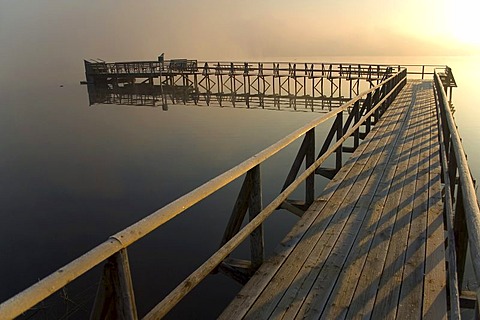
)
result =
(73, 174)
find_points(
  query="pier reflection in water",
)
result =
(145, 94)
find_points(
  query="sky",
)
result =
(55, 34)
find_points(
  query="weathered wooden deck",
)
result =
(375, 242)
(372, 244)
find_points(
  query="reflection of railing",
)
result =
(133, 94)
(462, 213)
(116, 287)
(145, 94)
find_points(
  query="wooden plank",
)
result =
(365, 293)
(274, 291)
(390, 281)
(323, 301)
(435, 294)
(242, 302)
(355, 275)
(291, 309)
(312, 278)
(411, 293)
(313, 265)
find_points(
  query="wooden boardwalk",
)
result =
(372, 244)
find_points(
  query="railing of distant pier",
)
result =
(116, 285)
(280, 68)
(462, 213)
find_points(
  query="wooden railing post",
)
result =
(368, 106)
(378, 96)
(452, 169)
(363, 111)
(376, 114)
(115, 298)
(390, 85)
(356, 135)
(307, 152)
(309, 160)
(255, 207)
(249, 198)
(338, 152)
(461, 236)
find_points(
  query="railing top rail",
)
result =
(470, 202)
(127, 236)
(253, 62)
(322, 62)
(101, 67)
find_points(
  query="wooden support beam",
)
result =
(328, 173)
(249, 198)
(292, 208)
(302, 151)
(104, 305)
(239, 270)
(328, 141)
(468, 299)
(348, 149)
(115, 297)
(349, 120)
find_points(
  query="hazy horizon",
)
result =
(32, 32)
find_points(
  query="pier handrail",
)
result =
(374, 100)
(461, 203)
(142, 67)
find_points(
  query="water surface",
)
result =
(73, 174)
